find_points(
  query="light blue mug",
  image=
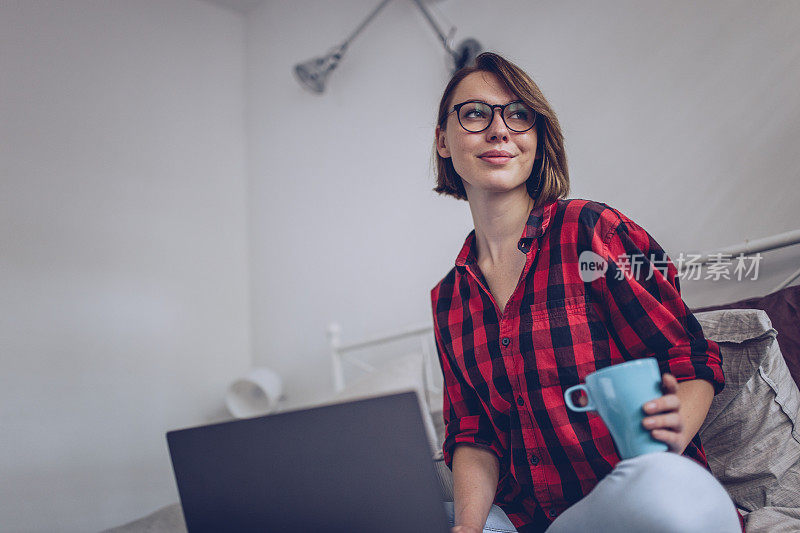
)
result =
(618, 393)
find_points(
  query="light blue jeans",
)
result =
(652, 493)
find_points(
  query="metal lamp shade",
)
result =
(466, 52)
(313, 74)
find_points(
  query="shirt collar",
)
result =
(538, 221)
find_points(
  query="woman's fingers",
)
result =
(665, 404)
(665, 422)
(669, 401)
(670, 421)
(670, 438)
(669, 384)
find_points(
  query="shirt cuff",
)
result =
(700, 360)
(472, 431)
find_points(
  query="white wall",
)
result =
(123, 251)
(681, 114)
(341, 209)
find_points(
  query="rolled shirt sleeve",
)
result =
(465, 418)
(642, 296)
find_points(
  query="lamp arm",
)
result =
(435, 28)
(361, 26)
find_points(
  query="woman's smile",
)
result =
(496, 157)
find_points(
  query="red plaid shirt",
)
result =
(505, 373)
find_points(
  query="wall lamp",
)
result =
(313, 74)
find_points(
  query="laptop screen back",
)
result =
(358, 466)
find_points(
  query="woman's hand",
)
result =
(665, 422)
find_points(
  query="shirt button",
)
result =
(506, 341)
(552, 513)
(520, 400)
(534, 460)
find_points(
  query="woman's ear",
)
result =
(441, 143)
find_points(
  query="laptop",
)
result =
(361, 466)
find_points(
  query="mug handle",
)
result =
(568, 398)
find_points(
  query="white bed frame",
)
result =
(765, 244)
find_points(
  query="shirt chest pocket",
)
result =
(562, 341)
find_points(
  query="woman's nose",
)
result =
(497, 127)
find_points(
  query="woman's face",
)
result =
(477, 168)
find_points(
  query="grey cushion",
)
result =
(751, 434)
(773, 519)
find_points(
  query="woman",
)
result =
(516, 323)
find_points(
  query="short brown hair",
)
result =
(550, 167)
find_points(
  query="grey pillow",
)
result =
(751, 433)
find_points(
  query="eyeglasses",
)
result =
(476, 116)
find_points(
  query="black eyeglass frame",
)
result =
(502, 108)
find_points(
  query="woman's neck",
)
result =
(499, 220)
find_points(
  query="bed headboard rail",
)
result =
(755, 246)
(342, 354)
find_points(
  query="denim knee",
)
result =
(669, 492)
